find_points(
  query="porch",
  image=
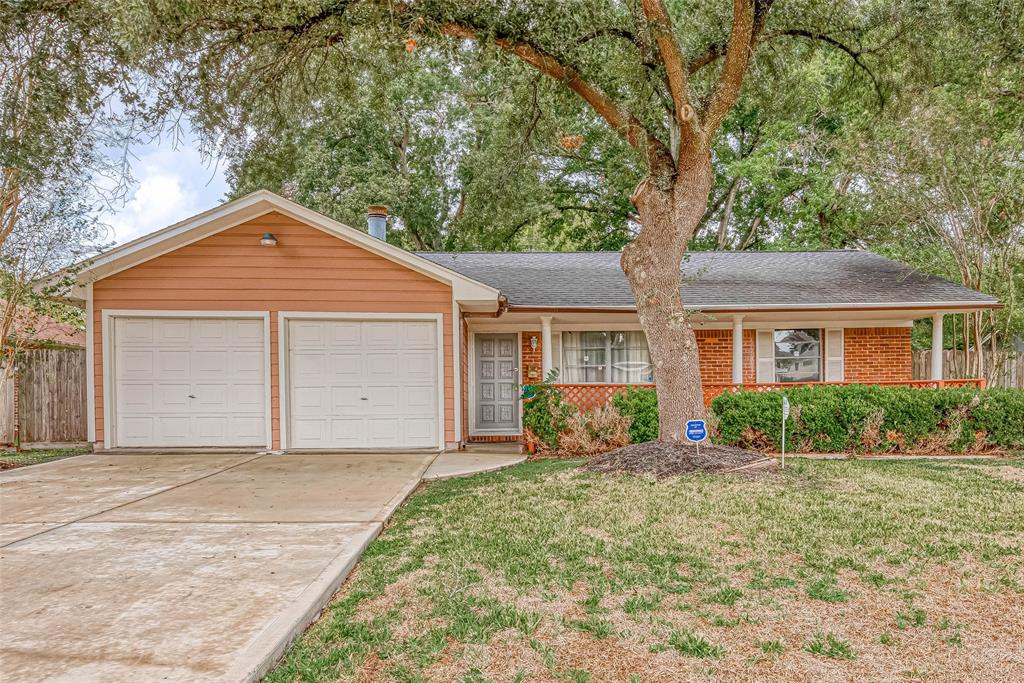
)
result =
(600, 354)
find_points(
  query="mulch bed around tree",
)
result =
(662, 459)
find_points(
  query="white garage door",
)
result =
(362, 384)
(189, 382)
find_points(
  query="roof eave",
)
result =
(936, 306)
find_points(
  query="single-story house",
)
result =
(261, 323)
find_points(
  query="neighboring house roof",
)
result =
(31, 327)
(746, 280)
(466, 290)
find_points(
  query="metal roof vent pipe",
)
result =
(377, 221)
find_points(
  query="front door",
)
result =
(497, 365)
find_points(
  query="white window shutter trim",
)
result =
(834, 354)
(765, 356)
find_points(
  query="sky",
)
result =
(171, 182)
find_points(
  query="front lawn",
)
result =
(834, 570)
(12, 459)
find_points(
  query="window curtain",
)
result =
(616, 357)
(631, 360)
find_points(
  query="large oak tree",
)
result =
(663, 76)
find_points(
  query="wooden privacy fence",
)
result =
(1008, 374)
(51, 397)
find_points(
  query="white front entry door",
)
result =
(189, 382)
(363, 384)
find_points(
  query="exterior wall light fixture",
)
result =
(268, 240)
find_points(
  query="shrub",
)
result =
(545, 412)
(640, 404)
(873, 419)
(594, 431)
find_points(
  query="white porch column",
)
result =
(936, 374)
(737, 349)
(545, 345)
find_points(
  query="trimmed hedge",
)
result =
(641, 404)
(860, 418)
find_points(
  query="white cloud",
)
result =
(171, 184)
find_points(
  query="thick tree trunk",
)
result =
(651, 262)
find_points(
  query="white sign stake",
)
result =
(785, 414)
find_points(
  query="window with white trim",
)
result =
(613, 357)
(797, 355)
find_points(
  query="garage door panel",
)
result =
(381, 398)
(309, 364)
(247, 427)
(136, 364)
(310, 398)
(211, 396)
(347, 398)
(248, 397)
(381, 335)
(309, 433)
(189, 382)
(246, 333)
(210, 363)
(420, 431)
(382, 378)
(213, 428)
(381, 366)
(419, 401)
(173, 429)
(306, 333)
(171, 398)
(346, 367)
(419, 366)
(247, 365)
(382, 431)
(135, 398)
(173, 364)
(345, 334)
(419, 335)
(347, 432)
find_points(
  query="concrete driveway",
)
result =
(180, 567)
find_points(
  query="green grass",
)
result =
(548, 561)
(692, 645)
(36, 456)
(828, 645)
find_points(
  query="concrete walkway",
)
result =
(464, 463)
(180, 567)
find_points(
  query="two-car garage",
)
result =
(347, 381)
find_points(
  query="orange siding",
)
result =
(308, 270)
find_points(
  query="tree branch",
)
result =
(675, 68)
(737, 56)
(623, 122)
(855, 55)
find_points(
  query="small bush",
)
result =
(545, 412)
(594, 431)
(861, 418)
(640, 404)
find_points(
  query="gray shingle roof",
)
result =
(711, 279)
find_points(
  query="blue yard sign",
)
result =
(696, 431)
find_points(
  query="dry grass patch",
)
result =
(830, 571)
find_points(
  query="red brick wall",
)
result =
(532, 364)
(877, 354)
(715, 347)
